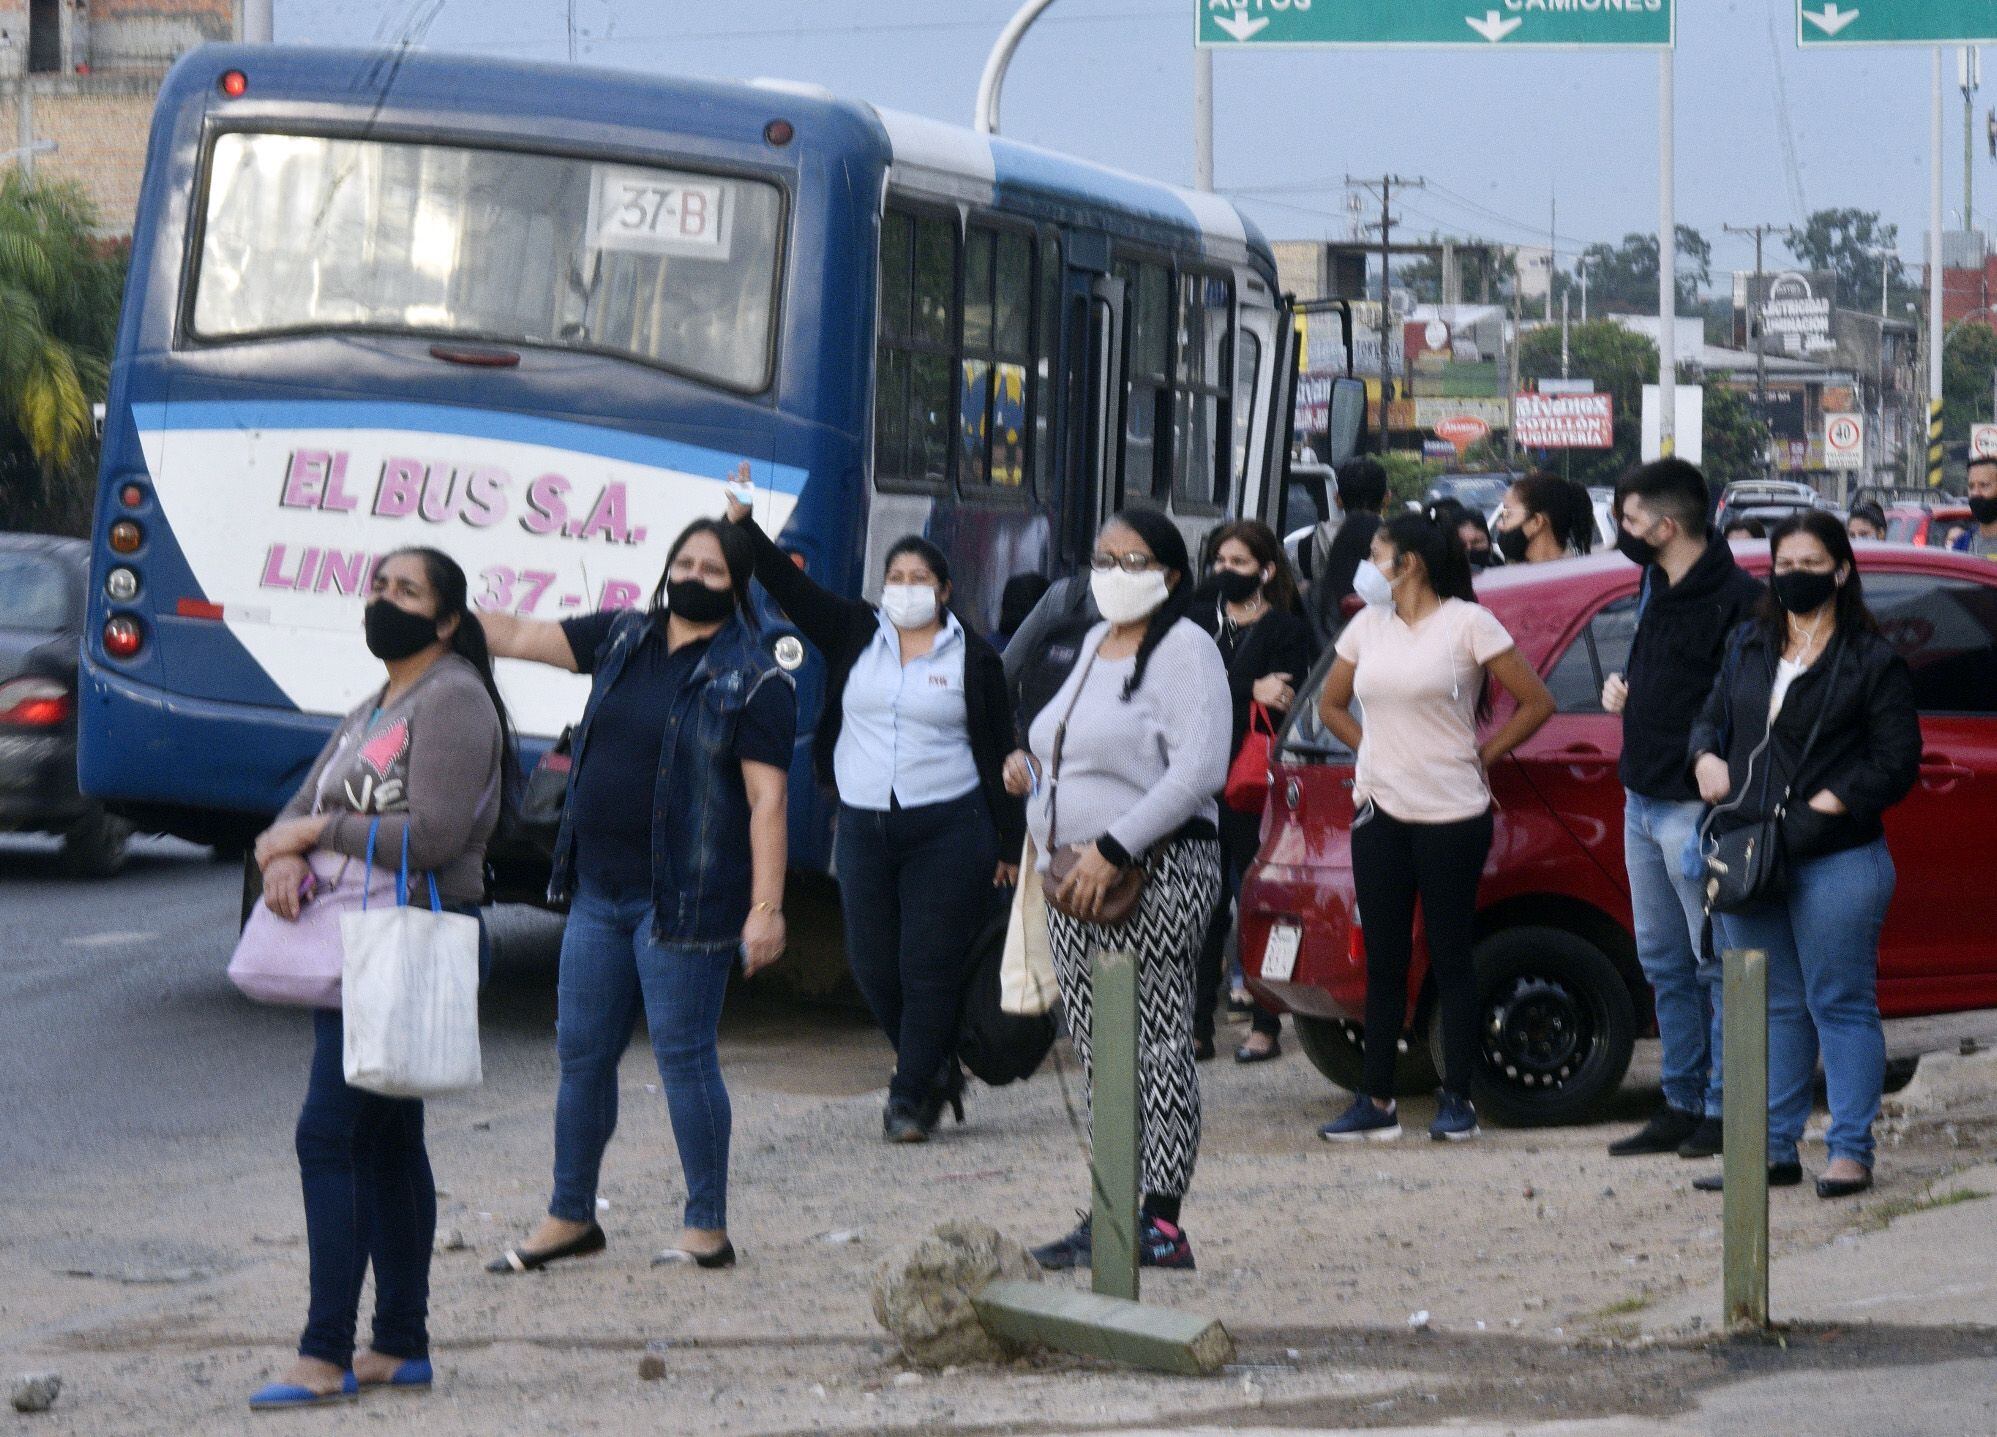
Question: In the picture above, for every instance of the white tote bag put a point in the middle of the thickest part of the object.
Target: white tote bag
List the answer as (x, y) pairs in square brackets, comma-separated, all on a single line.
[(409, 985), (1027, 987)]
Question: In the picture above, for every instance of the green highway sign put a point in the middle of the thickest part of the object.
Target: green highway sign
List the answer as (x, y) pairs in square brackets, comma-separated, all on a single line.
[(1895, 22), (1482, 24)]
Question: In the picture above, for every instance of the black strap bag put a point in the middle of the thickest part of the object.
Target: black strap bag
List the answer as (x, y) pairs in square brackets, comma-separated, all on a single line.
[(997, 1046)]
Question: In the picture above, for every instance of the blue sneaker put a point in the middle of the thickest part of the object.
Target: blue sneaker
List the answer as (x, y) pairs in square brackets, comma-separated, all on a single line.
[(1363, 1122), (1077, 1249), (1455, 1120)]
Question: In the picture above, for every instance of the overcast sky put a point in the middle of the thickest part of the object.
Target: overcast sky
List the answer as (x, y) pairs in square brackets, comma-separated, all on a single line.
[(1765, 132)]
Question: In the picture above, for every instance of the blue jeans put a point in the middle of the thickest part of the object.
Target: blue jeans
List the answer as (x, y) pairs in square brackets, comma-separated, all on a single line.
[(1669, 911), (1822, 941), (915, 885), (611, 971), (370, 1199)]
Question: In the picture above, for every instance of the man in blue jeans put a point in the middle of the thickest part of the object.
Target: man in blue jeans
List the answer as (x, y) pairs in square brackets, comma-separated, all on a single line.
[(1694, 596)]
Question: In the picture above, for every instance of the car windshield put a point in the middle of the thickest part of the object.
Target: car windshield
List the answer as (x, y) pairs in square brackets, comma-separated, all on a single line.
[(1304, 738), (34, 593), (670, 267)]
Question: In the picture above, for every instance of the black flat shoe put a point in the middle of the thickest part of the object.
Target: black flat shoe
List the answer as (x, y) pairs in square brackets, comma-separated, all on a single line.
[(1246, 1054), (947, 1093), (1203, 1050), (1842, 1187), (1780, 1175), (517, 1259), (723, 1256), (903, 1122)]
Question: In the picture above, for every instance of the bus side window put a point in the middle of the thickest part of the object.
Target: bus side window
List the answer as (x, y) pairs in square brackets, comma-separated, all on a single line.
[(1200, 401), (1046, 366), (1147, 406), (916, 352), (998, 350)]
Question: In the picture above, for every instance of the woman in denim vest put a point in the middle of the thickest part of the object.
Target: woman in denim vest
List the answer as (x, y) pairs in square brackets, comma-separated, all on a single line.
[(668, 881)]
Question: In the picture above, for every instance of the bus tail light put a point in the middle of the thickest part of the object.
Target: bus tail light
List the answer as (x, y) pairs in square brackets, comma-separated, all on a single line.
[(122, 636), (35, 703), (235, 84), (131, 496), (197, 609), (121, 585), (126, 536)]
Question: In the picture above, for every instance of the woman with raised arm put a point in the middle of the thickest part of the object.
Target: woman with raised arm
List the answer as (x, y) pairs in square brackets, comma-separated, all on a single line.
[(688, 713)]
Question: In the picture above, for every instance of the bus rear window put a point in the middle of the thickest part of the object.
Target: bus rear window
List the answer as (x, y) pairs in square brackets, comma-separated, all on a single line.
[(306, 234)]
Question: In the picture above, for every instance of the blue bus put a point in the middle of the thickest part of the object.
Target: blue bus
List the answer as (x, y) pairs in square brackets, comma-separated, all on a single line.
[(538, 315)]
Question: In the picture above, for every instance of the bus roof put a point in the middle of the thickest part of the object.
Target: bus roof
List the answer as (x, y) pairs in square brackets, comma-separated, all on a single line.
[(925, 155)]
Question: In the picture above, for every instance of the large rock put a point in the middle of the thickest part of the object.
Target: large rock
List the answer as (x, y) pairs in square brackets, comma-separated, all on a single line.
[(923, 1296), (36, 1391)]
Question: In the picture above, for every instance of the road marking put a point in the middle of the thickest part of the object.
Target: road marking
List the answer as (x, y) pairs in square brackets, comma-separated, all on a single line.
[(108, 940)]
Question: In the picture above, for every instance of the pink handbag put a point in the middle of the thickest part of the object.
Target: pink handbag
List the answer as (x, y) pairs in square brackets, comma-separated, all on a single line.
[(297, 964)]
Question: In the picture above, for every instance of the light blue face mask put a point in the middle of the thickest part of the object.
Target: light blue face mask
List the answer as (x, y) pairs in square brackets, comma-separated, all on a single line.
[(1372, 585)]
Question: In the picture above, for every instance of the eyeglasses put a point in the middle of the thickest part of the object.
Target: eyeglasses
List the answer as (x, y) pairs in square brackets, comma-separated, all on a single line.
[(1131, 563)]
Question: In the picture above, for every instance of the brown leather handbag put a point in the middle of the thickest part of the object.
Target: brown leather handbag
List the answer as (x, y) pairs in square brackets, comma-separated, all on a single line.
[(1121, 898)]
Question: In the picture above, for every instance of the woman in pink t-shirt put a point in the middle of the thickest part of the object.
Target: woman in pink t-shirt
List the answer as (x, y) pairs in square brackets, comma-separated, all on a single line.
[(1417, 659)]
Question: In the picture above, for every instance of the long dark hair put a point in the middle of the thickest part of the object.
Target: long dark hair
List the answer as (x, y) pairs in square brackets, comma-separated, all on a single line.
[(448, 583), (1567, 507), (1850, 614), (1267, 550), (736, 552), (1440, 549), (1168, 546)]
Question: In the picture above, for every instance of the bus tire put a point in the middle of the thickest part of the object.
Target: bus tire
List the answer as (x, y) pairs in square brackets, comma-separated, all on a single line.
[(96, 845)]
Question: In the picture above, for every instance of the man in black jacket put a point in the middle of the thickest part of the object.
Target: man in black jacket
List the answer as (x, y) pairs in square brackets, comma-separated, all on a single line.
[(1693, 597)]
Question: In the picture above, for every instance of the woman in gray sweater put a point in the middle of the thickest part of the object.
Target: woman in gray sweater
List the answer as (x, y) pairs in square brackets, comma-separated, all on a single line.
[(1123, 765)]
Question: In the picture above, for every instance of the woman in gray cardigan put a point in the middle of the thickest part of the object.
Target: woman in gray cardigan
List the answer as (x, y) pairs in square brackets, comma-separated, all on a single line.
[(1123, 765)]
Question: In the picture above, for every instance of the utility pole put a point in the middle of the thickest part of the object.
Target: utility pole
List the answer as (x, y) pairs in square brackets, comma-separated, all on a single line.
[(1552, 253), (1969, 70), (1757, 314), (1203, 120), (1582, 267), (1384, 187)]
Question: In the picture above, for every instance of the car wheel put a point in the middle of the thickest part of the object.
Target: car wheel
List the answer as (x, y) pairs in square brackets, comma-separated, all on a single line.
[(96, 846), (1555, 1026), (1900, 1072), (1335, 1048)]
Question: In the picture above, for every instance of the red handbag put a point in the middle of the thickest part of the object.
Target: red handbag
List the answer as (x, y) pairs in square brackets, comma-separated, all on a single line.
[(1248, 776)]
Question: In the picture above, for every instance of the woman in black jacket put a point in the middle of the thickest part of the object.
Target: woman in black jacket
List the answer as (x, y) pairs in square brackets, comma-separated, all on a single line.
[(913, 735), (1250, 605), (1813, 660)]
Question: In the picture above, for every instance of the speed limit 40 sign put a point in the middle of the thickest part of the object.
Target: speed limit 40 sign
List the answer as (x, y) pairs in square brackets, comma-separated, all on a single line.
[(1844, 441)]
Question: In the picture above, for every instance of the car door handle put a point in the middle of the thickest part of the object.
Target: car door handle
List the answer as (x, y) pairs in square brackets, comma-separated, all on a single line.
[(1940, 765)]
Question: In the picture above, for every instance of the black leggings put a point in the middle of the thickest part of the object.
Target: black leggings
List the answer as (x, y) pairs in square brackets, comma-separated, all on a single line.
[(1393, 863)]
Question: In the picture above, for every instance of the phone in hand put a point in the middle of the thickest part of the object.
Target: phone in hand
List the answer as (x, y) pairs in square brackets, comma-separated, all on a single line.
[(741, 490)]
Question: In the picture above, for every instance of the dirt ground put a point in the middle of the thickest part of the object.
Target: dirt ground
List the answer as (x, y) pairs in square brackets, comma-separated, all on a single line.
[(164, 1300)]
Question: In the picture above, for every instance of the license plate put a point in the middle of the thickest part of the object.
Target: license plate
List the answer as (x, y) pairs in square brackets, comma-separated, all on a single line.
[(1279, 958)]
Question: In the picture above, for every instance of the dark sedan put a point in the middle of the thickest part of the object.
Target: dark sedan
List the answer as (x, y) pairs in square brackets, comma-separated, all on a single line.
[(42, 586)]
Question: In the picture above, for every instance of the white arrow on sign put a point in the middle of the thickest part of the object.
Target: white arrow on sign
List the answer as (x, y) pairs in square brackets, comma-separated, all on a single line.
[(1240, 26), (1493, 27), (1831, 19)]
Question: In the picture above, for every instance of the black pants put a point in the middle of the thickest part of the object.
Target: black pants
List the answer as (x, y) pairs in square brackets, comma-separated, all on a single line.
[(1393, 864), (916, 887), (1240, 836)]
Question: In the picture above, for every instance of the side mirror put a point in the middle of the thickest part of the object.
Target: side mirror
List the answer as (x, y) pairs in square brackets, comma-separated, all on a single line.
[(1345, 429)]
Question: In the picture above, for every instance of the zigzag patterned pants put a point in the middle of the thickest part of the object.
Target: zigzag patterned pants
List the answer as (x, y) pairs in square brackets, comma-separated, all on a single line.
[(1165, 933)]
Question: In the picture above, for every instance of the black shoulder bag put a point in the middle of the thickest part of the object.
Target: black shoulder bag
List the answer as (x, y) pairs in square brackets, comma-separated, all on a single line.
[(1746, 866)]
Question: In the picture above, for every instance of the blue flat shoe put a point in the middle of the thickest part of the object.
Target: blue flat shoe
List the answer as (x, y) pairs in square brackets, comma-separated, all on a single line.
[(282, 1396), (415, 1374)]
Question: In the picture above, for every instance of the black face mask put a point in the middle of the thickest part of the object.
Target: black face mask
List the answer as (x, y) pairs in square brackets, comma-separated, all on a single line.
[(1237, 588), (1802, 592), (394, 633), (1983, 511), (1482, 558), (698, 604), (1638, 551), (1512, 544)]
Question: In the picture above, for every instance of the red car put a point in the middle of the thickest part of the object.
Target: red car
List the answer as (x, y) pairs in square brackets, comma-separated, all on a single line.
[(1929, 525), (1563, 998)]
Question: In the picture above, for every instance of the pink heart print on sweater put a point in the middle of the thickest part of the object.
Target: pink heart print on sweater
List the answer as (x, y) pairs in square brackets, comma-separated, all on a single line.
[(384, 748)]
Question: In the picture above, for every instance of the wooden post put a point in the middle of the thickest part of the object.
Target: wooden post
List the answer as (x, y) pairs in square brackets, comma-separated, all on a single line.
[(1745, 1117), (1083, 1323), (1117, 1125)]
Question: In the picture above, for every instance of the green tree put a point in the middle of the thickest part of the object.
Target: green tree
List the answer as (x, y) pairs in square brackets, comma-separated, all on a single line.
[(1968, 365), (1620, 363), (1622, 279), (59, 292), (1844, 243), (1736, 443)]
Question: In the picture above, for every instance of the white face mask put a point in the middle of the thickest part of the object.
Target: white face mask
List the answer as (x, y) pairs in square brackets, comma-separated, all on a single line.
[(1370, 584), (909, 606), (1125, 598)]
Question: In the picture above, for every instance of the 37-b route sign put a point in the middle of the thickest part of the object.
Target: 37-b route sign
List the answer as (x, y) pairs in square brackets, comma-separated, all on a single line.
[(1647, 24), (1844, 441)]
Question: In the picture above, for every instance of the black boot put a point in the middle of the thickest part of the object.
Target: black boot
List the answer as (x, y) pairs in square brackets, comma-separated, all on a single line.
[(946, 1091)]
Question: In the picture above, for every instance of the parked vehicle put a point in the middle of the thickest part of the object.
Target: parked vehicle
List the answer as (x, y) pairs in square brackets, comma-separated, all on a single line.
[(1931, 526), (1481, 492), (1563, 997), (42, 585), (1769, 500)]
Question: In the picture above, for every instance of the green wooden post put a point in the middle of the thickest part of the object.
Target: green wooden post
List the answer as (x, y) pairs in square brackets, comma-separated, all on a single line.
[(1117, 1125), (1745, 1116)]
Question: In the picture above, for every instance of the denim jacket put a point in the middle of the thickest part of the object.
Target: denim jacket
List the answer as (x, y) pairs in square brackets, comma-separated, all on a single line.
[(701, 871)]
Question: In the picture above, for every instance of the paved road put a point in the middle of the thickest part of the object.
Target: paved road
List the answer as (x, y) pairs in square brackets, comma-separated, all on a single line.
[(120, 1033)]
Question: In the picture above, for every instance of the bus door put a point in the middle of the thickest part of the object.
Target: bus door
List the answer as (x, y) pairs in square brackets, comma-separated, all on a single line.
[(1094, 310)]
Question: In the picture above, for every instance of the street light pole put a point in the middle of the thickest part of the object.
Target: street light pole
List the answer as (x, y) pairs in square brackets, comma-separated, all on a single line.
[(986, 120), (1203, 120), (1935, 279), (257, 22), (1667, 261)]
